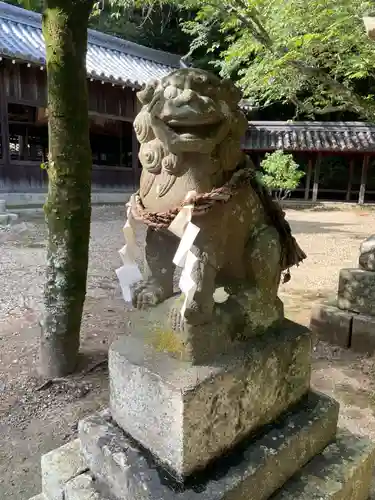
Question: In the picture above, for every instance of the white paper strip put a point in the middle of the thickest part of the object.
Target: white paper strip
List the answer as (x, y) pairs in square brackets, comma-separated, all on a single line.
[(189, 296), (186, 283), (130, 238), (186, 243), (178, 225), (128, 273), (182, 219)]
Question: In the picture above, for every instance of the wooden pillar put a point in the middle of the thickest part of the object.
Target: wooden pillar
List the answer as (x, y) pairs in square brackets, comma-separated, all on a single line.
[(135, 160), (4, 118), (308, 178), (316, 177), (362, 189), (350, 181)]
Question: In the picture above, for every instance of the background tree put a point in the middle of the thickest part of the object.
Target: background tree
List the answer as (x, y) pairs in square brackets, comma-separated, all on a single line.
[(313, 54), (280, 173), (68, 205), (158, 26)]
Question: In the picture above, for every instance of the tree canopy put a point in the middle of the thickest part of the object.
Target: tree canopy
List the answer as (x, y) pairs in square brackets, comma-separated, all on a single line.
[(313, 53)]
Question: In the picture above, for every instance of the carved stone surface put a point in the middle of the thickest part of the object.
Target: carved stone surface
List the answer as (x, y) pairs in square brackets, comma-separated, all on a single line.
[(253, 471), (59, 466), (331, 324), (343, 471), (186, 415), (367, 254), (82, 487), (190, 129), (363, 334), (357, 291)]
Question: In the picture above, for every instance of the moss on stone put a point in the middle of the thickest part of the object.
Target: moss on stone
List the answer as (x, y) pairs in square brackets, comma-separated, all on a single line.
[(167, 341)]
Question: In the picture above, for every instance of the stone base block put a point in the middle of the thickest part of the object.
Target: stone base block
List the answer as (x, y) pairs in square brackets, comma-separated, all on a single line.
[(357, 291), (60, 466), (343, 471), (254, 469), (331, 324), (40, 497), (363, 334), (344, 328), (83, 488), (187, 415), (367, 254), (7, 218)]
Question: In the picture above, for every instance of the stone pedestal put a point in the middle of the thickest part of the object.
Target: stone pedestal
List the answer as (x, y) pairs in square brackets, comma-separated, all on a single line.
[(246, 427), (350, 322), (357, 291), (6, 217), (187, 415)]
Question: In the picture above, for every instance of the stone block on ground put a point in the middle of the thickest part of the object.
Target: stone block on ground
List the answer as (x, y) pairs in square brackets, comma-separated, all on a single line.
[(59, 466), (357, 291), (7, 218), (367, 254), (343, 471), (38, 497), (363, 334), (254, 469), (83, 488), (187, 415), (331, 324)]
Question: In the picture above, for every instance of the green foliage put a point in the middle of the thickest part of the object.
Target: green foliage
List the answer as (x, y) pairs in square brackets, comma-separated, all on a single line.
[(35, 5), (154, 25), (315, 54), (280, 173)]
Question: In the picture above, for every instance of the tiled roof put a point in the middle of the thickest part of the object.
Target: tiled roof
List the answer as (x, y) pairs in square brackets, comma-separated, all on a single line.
[(310, 136), (108, 58)]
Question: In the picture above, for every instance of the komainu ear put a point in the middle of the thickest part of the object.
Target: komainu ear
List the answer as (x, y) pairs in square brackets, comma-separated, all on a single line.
[(147, 93), (230, 93)]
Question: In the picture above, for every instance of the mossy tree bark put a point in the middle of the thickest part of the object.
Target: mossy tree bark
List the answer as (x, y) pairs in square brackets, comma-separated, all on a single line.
[(68, 205)]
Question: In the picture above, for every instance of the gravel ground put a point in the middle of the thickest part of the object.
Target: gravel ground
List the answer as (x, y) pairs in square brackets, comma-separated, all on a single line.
[(34, 420)]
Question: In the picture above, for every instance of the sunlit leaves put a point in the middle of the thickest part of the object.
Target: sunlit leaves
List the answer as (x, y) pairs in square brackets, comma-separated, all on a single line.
[(265, 38)]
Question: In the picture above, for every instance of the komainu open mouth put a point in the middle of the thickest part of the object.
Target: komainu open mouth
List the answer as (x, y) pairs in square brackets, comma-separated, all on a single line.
[(194, 130)]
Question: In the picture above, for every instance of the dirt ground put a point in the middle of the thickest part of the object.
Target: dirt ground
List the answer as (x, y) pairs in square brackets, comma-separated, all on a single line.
[(35, 419)]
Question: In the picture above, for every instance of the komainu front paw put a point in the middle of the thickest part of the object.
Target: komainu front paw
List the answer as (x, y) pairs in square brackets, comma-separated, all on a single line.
[(193, 315), (148, 294), (176, 320)]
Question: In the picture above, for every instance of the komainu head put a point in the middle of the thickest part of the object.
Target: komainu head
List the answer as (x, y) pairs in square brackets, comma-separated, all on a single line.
[(190, 111)]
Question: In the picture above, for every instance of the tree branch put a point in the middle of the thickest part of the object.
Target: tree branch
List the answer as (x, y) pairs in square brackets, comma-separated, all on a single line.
[(251, 21)]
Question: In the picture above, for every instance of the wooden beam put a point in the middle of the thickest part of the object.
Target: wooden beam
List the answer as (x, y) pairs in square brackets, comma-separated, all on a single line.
[(308, 178), (316, 177), (350, 181), (362, 189), (4, 117), (115, 118)]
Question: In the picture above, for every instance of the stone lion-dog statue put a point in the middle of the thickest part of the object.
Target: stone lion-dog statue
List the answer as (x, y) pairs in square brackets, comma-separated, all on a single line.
[(190, 129)]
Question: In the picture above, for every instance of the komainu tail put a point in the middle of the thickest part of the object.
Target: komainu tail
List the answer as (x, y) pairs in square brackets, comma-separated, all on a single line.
[(292, 253)]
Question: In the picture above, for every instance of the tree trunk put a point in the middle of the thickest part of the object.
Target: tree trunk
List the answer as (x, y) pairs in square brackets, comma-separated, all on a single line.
[(68, 205)]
